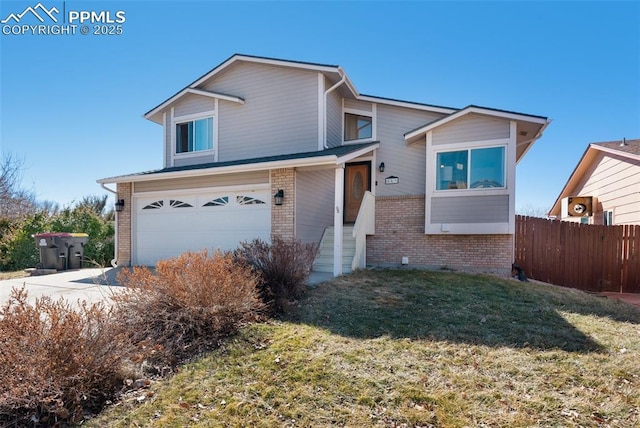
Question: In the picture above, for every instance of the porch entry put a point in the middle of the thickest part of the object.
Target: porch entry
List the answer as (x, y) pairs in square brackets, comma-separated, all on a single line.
[(357, 180)]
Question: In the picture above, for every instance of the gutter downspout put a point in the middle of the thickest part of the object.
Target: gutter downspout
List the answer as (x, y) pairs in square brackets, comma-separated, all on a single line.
[(324, 115), (114, 261)]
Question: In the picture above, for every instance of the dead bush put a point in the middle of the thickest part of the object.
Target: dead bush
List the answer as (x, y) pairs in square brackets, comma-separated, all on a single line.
[(284, 267), (57, 361), (186, 305)]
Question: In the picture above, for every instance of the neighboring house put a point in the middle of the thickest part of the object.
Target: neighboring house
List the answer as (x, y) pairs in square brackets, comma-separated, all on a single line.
[(606, 182), (259, 147)]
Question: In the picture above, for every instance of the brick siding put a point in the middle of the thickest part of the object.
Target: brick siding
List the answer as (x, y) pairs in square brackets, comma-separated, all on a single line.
[(123, 252), (400, 233), (283, 216)]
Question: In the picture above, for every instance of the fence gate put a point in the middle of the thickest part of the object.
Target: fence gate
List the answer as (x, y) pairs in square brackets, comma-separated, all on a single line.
[(588, 257)]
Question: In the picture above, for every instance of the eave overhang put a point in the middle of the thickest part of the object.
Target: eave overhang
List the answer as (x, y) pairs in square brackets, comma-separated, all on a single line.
[(418, 134)]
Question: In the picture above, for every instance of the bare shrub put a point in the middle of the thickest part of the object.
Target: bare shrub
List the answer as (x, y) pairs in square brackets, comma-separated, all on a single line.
[(57, 362), (186, 306), (284, 267)]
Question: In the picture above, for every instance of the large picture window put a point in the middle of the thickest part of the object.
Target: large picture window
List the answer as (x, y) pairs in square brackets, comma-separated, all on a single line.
[(194, 136), (471, 169)]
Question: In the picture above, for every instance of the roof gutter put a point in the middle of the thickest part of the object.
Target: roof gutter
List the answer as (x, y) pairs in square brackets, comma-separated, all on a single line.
[(324, 107)]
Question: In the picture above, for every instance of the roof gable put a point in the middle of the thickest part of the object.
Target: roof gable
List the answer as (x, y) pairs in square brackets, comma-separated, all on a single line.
[(624, 147), (530, 126), (629, 149), (418, 132), (335, 73), (332, 70)]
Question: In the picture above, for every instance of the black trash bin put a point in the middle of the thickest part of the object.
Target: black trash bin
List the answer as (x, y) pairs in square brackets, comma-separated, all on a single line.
[(76, 250), (54, 249)]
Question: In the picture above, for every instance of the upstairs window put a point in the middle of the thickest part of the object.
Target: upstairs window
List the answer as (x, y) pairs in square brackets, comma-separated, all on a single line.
[(194, 135), (357, 127), (471, 169)]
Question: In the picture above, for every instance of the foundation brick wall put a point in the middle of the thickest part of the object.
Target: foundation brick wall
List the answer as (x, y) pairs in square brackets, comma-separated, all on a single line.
[(400, 232), (283, 216), (123, 252)]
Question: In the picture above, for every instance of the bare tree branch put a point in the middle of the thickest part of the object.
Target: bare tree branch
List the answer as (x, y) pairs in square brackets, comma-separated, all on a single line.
[(15, 201)]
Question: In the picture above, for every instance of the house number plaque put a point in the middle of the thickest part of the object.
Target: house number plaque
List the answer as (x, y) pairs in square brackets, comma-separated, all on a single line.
[(391, 180)]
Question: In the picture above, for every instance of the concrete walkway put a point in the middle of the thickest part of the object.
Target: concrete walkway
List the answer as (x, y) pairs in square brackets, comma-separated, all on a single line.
[(631, 298), (92, 285), (318, 278)]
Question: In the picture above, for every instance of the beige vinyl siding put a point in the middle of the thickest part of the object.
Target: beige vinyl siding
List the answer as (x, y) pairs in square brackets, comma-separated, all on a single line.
[(358, 105), (402, 160), (280, 114), (334, 118), (194, 159), (472, 127), (470, 209), (314, 203), (235, 179), (628, 213), (194, 104), (615, 181)]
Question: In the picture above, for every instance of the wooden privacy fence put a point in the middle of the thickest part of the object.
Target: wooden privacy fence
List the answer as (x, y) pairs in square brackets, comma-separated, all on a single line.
[(587, 257)]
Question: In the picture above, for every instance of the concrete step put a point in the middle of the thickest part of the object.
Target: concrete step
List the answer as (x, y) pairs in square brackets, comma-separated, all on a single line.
[(324, 259), (345, 251), (328, 258), (328, 243), (329, 268)]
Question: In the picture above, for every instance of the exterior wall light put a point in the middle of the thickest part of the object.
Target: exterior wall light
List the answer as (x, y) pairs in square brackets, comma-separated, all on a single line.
[(120, 205), (381, 167), (278, 197)]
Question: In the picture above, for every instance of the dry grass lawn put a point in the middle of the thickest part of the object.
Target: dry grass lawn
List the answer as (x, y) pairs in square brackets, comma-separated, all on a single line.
[(410, 348), (12, 275)]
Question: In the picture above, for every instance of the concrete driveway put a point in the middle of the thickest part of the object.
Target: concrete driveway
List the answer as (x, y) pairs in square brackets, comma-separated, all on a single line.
[(92, 285)]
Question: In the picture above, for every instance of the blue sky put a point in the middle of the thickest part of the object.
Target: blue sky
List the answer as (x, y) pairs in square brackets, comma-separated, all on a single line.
[(72, 105)]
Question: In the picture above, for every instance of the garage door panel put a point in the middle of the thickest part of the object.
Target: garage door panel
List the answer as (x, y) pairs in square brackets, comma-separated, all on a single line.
[(173, 224)]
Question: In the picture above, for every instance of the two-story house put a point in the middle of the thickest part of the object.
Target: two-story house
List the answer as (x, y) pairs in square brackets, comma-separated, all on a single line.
[(259, 147)]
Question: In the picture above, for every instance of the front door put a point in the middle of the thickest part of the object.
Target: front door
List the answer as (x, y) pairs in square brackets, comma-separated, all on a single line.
[(357, 180)]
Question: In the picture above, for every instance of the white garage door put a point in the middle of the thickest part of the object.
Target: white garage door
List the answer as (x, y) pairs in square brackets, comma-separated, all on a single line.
[(168, 225)]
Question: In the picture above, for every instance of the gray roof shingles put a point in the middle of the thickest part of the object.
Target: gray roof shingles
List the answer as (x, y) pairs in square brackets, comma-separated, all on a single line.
[(334, 151), (631, 146)]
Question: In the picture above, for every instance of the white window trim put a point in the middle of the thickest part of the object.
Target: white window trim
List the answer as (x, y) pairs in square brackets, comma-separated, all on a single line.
[(175, 120), (469, 190), (373, 114), (604, 217), (510, 179)]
